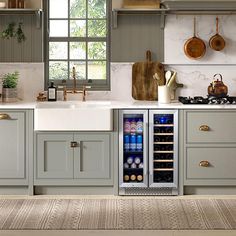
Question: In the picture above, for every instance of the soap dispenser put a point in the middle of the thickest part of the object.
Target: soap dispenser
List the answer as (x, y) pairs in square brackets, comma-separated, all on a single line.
[(52, 93)]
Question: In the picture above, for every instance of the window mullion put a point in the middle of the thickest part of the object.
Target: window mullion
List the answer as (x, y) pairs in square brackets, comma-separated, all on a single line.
[(86, 70), (68, 42)]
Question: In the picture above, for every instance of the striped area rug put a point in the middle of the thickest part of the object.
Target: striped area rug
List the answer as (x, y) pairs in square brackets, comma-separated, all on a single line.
[(117, 214)]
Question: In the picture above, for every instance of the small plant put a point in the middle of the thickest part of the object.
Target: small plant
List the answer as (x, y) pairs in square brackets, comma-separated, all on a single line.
[(10, 80), (11, 32), (20, 34)]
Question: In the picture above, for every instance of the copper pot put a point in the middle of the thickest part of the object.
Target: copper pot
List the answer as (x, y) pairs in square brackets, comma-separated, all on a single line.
[(194, 48), (217, 87)]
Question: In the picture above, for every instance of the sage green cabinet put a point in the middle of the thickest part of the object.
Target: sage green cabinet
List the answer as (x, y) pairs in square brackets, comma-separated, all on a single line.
[(16, 132), (209, 148), (92, 156), (54, 156), (65, 158)]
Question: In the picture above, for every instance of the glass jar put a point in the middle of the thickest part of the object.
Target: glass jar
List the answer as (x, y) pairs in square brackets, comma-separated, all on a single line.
[(12, 3), (21, 4)]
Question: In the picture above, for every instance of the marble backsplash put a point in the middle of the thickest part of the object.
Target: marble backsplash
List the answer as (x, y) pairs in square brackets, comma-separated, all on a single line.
[(195, 75)]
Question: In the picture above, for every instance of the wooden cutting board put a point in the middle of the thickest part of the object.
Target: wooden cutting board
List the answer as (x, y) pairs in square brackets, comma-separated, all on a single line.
[(144, 86), (139, 4)]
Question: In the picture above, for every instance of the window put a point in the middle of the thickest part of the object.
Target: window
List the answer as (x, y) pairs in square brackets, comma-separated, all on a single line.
[(78, 36)]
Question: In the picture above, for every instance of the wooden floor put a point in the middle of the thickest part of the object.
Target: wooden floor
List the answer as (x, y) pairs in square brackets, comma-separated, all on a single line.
[(118, 233)]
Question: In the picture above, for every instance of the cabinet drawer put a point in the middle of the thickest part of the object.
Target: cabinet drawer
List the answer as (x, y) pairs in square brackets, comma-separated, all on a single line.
[(220, 125), (222, 163)]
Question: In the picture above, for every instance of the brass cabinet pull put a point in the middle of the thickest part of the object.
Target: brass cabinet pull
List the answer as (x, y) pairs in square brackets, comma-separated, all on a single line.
[(204, 128), (4, 116), (204, 163), (74, 144)]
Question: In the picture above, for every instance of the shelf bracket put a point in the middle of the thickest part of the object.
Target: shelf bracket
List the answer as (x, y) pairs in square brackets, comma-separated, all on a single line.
[(38, 16), (114, 19), (163, 20)]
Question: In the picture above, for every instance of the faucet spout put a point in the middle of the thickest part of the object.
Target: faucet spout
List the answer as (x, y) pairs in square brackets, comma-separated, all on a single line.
[(84, 92), (74, 79)]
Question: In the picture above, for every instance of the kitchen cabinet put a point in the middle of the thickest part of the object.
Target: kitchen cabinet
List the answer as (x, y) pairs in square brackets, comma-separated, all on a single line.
[(209, 148), (16, 131), (73, 158)]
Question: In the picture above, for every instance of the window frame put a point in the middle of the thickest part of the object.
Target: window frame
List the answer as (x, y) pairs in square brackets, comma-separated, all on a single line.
[(96, 85)]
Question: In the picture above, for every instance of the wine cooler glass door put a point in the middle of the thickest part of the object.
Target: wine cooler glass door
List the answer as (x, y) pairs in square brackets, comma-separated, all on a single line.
[(133, 148), (163, 149)]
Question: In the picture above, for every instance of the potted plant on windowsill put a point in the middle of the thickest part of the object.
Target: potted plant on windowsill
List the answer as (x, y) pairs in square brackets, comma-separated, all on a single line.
[(9, 84)]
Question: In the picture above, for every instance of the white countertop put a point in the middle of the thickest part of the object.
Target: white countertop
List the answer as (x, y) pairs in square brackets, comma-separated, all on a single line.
[(111, 105)]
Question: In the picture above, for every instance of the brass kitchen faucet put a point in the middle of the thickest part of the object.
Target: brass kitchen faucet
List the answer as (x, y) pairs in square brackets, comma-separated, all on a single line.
[(74, 90)]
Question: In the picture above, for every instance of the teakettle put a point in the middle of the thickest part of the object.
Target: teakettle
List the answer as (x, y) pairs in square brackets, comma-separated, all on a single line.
[(217, 87)]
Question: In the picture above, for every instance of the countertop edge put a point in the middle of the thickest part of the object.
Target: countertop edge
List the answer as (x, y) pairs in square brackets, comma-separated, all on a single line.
[(113, 105)]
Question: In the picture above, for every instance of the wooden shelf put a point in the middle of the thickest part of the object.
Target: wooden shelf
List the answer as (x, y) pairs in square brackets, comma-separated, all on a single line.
[(164, 125), (163, 160), (162, 143), (24, 11), (162, 134), (180, 8), (163, 152), (125, 11), (164, 169)]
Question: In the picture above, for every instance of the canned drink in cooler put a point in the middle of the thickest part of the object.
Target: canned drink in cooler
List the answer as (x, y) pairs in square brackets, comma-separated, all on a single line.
[(139, 126), (133, 166), (139, 178), (126, 178), (133, 126), (127, 125), (139, 142), (133, 177), (137, 160), (133, 142), (130, 160), (126, 165), (126, 142), (140, 165)]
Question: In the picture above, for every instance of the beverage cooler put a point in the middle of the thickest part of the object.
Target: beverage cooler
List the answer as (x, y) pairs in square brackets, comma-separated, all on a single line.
[(148, 152)]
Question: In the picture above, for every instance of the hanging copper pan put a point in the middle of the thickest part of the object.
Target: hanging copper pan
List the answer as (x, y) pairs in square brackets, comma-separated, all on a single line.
[(194, 48), (217, 42)]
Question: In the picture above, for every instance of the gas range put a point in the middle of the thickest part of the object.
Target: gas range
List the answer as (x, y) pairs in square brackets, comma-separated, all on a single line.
[(208, 100)]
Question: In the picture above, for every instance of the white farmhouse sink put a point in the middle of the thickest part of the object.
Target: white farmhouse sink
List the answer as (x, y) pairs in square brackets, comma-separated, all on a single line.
[(73, 116)]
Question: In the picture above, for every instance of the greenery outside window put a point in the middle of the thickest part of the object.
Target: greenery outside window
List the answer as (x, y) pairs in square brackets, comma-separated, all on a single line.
[(78, 36)]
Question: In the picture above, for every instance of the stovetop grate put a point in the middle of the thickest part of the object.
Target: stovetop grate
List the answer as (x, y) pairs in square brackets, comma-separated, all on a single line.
[(208, 100)]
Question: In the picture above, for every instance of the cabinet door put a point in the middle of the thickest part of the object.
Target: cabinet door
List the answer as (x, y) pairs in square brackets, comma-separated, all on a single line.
[(12, 145), (54, 155), (92, 156)]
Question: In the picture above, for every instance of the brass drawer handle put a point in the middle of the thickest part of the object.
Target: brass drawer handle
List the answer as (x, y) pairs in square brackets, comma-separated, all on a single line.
[(204, 163), (204, 128), (4, 116), (74, 144)]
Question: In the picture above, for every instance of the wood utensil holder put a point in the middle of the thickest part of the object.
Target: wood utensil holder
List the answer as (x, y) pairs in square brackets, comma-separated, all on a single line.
[(139, 4)]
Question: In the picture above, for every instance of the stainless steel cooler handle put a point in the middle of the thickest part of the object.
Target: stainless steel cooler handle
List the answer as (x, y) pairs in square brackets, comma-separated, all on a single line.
[(146, 151)]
